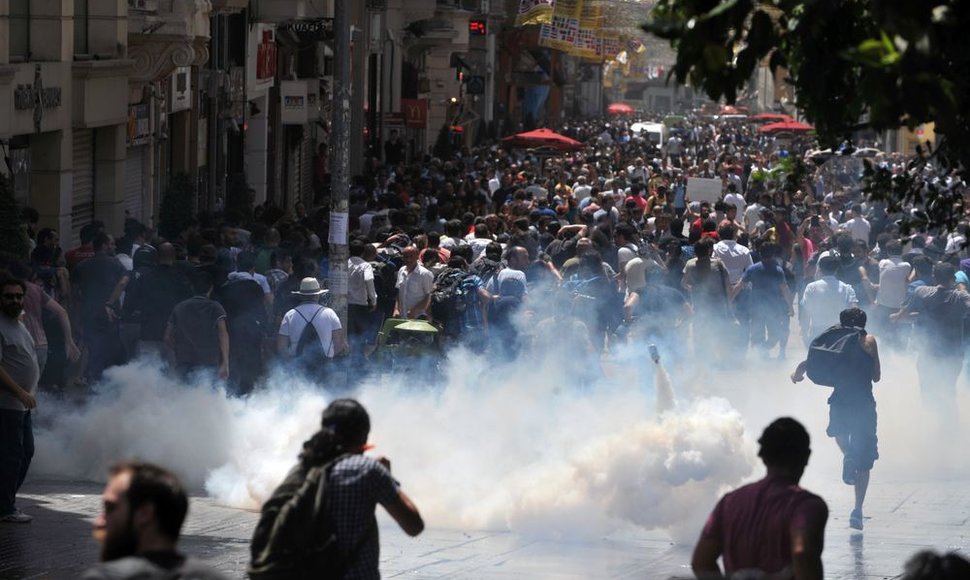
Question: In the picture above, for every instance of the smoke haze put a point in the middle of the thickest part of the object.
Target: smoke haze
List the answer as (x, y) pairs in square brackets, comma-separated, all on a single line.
[(517, 447)]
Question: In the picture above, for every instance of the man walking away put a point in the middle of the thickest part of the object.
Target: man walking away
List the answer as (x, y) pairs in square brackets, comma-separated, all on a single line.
[(144, 507), (197, 331), (18, 384), (852, 408), (332, 465), (771, 528), (824, 299), (311, 332), (246, 319), (361, 300)]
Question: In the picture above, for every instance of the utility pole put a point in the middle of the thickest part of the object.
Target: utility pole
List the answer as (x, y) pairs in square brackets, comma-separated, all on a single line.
[(340, 168)]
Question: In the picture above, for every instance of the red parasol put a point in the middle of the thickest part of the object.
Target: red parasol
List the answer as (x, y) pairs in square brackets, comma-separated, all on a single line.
[(771, 118), (542, 138), (787, 126), (619, 109)]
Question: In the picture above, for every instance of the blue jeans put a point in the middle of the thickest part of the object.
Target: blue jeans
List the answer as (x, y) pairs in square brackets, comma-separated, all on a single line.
[(16, 451)]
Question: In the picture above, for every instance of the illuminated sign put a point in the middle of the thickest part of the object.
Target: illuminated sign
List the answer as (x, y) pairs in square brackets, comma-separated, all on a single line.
[(477, 27)]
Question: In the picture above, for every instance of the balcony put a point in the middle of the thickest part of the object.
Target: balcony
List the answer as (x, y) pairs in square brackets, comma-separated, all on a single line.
[(166, 35)]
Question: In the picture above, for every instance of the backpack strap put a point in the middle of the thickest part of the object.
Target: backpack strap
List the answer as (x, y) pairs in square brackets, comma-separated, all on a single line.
[(309, 322)]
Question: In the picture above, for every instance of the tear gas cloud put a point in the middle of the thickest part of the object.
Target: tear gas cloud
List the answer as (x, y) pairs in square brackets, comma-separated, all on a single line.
[(518, 446)]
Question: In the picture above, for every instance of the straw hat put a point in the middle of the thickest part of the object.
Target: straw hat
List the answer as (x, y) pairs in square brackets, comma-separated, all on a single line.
[(310, 287)]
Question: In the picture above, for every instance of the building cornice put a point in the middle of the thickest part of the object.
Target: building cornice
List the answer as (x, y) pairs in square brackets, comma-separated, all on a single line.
[(155, 57)]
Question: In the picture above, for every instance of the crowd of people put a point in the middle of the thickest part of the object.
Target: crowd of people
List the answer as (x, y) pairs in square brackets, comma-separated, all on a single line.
[(508, 253)]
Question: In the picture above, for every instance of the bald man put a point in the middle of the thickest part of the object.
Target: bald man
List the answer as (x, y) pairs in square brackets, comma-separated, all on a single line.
[(414, 286)]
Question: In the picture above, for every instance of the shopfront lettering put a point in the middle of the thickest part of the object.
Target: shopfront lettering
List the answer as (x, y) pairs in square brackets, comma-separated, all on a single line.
[(25, 97)]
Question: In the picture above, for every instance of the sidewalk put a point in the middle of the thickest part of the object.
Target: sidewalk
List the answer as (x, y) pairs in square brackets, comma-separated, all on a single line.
[(902, 518)]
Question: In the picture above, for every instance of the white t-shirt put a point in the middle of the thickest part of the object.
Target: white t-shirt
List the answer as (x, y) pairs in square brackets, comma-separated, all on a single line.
[(413, 287), (325, 322), (858, 228)]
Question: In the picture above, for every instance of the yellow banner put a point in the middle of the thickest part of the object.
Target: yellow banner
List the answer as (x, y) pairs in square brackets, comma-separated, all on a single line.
[(534, 12)]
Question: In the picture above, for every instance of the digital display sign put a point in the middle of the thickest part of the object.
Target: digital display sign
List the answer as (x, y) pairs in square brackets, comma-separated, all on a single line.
[(477, 27)]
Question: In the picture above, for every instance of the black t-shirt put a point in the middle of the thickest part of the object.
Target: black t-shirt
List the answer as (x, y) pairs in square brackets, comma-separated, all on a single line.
[(152, 296), (97, 278), (196, 331)]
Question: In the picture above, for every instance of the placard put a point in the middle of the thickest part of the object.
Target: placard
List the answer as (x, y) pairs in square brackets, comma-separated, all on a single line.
[(703, 189)]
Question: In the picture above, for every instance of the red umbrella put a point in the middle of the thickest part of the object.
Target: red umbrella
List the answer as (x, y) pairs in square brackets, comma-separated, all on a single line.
[(542, 138), (771, 118), (787, 126), (619, 109)]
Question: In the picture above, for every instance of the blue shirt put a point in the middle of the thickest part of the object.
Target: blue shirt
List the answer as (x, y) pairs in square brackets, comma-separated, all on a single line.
[(765, 281)]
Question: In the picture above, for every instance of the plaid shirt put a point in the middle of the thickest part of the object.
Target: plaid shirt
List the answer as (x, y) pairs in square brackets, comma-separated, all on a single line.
[(356, 485)]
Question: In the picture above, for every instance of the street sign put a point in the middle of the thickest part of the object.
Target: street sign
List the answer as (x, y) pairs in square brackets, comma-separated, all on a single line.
[(316, 28)]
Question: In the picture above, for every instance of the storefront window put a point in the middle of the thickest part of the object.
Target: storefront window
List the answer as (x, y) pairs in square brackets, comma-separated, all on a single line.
[(19, 30)]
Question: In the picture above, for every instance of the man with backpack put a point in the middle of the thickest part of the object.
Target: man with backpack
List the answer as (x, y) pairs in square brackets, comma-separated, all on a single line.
[(847, 358), (319, 523), (311, 332)]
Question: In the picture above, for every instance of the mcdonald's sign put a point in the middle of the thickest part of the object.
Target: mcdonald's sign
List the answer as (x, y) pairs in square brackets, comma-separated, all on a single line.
[(415, 113)]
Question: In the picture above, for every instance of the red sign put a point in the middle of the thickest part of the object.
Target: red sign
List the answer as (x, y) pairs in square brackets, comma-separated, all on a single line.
[(266, 57), (477, 27), (415, 113)]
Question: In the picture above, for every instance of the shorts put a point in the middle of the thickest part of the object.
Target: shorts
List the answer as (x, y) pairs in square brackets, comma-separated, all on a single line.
[(857, 419)]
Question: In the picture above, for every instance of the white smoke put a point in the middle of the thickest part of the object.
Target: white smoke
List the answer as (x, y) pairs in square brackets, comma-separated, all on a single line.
[(517, 447)]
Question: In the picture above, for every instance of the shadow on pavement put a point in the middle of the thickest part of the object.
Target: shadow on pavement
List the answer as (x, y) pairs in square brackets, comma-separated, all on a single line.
[(57, 544)]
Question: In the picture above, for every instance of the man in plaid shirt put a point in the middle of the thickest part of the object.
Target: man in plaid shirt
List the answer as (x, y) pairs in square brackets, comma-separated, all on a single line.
[(356, 485)]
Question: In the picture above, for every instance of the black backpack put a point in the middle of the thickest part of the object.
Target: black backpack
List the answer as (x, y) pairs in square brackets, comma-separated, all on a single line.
[(309, 343), (296, 538), (830, 355), (386, 267), (448, 299)]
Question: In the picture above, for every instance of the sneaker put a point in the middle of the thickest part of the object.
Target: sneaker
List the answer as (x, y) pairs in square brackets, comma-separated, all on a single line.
[(848, 471), (855, 519), (16, 517)]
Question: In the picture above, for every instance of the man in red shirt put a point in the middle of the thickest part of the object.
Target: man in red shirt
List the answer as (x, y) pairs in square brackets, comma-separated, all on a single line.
[(770, 528)]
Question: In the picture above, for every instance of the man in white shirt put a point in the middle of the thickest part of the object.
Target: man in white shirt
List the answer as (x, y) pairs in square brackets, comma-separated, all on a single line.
[(494, 183), (736, 199), (858, 227), (735, 257), (414, 286), (310, 311), (824, 299), (581, 189), (638, 170), (361, 296), (893, 282)]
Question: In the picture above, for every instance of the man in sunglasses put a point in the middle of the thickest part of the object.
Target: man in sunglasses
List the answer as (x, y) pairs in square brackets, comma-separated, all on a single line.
[(18, 384)]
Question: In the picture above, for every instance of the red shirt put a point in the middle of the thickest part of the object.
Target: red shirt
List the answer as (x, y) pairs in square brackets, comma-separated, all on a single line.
[(753, 523), (78, 255)]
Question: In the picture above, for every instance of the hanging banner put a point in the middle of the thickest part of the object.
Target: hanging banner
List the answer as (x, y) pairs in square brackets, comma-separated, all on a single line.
[(561, 33), (415, 113), (534, 12)]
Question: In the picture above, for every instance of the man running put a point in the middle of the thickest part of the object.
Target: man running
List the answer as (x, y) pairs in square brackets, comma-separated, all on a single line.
[(852, 409)]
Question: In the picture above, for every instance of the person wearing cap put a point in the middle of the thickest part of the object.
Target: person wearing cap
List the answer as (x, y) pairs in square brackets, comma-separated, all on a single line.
[(771, 528), (310, 311)]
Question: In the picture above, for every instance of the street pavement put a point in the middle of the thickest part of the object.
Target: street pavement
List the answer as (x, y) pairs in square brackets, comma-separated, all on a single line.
[(902, 518)]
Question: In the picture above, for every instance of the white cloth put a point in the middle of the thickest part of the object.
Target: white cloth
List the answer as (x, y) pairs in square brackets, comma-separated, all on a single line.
[(360, 282), (893, 281), (737, 200), (858, 228), (325, 322), (752, 215), (735, 257), (478, 247), (823, 300), (581, 192), (413, 288)]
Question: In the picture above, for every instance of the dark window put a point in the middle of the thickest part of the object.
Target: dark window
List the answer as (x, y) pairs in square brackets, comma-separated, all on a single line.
[(19, 30)]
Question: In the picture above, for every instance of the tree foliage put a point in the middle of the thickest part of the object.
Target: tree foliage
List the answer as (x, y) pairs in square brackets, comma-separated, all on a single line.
[(851, 63)]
